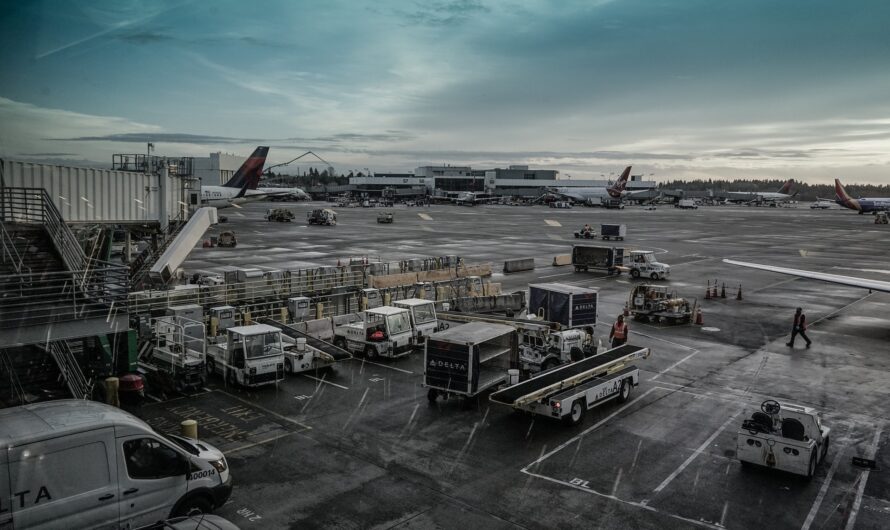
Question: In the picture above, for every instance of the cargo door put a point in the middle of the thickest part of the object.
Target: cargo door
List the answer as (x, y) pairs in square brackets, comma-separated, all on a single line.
[(65, 482), (447, 366), (583, 309), (560, 309), (537, 298)]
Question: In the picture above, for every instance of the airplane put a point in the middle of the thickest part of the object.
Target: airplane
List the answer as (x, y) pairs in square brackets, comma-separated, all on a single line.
[(862, 204), (851, 281), (471, 198), (596, 196), (237, 190), (252, 178), (761, 197)]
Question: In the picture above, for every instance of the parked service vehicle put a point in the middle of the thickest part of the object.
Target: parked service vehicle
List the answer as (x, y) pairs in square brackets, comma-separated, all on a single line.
[(382, 332), (541, 350), (658, 303), (227, 239), (81, 464), (281, 215), (586, 232), (783, 436), (592, 257), (423, 317), (881, 218), (385, 217), (175, 362), (608, 231), (561, 204), (251, 356), (643, 264), (687, 204), (322, 216)]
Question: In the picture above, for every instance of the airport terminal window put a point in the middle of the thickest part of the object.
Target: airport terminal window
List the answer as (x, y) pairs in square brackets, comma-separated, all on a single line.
[(148, 458)]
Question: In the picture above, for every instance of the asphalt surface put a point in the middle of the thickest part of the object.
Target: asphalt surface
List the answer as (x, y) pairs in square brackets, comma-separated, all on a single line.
[(360, 446)]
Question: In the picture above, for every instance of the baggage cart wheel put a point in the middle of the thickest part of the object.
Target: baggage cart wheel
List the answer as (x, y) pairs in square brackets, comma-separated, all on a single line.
[(635, 273), (624, 391), (811, 469), (210, 366), (370, 352), (576, 414), (654, 276)]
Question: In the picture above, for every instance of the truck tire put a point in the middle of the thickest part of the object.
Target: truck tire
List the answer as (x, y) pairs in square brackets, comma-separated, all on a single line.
[(370, 352), (635, 273), (340, 342), (624, 391), (576, 414), (811, 469), (288, 366), (194, 505), (210, 366), (655, 276)]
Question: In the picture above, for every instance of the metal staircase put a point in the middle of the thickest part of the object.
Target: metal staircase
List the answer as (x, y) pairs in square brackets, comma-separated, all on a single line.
[(77, 382)]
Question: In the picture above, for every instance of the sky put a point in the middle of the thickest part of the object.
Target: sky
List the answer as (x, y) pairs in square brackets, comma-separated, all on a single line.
[(676, 88)]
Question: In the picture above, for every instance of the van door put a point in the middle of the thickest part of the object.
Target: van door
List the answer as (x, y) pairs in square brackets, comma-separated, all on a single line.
[(152, 478), (64, 482)]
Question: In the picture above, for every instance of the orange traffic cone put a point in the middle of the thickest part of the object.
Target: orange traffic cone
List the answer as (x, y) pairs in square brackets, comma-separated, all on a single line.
[(723, 291), (699, 319), (739, 295), (714, 291), (708, 291)]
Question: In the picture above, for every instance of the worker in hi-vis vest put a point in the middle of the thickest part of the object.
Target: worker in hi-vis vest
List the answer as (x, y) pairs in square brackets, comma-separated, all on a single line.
[(799, 328), (619, 332)]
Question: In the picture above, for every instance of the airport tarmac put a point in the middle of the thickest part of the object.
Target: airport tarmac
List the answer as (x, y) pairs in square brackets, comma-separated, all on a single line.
[(361, 447)]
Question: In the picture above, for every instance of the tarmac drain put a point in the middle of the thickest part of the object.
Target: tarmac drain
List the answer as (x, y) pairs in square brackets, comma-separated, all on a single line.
[(710, 329)]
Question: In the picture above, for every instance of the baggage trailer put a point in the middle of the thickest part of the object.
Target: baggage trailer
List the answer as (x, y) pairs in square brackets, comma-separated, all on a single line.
[(570, 306), (303, 352), (592, 257), (609, 232), (468, 359), (568, 391)]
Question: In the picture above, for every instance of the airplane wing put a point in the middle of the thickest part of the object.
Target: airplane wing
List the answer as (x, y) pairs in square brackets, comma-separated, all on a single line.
[(851, 281)]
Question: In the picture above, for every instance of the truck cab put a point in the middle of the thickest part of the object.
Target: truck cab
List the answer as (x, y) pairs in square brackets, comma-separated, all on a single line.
[(250, 356), (783, 436), (382, 332), (322, 216), (423, 317), (642, 263), (542, 351)]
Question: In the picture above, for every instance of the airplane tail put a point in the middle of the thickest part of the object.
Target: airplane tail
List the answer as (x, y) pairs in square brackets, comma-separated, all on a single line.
[(786, 188), (250, 171), (842, 198), (618, 188)]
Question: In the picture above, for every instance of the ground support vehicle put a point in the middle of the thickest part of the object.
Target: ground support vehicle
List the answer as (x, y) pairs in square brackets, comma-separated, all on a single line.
[(570, 306), (423, 317), (591, 257), (585, 234), (613, 204), (76, 463), (881, 218), (385, 217), (303, 352), (657, 303), (382, 332), (687, 204), (322, 216), (609, 232), (227, 239), (540, 345), (785, 437), (820, 205), (469, 359), (281, 215), (642, 264), (174, 360), (568, 391), (561, 204), (250, 356)]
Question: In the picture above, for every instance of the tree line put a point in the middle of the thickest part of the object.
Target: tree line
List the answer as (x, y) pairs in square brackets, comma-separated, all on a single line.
[(805, 191)]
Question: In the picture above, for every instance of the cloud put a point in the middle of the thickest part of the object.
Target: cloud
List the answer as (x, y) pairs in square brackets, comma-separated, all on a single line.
[(444, 13), (143, 37)]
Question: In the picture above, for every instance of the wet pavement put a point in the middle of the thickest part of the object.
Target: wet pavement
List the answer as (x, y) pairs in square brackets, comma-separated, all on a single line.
[(359, 446)]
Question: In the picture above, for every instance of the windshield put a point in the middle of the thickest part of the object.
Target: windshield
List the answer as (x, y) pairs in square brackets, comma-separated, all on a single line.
[(262, 345), (398, 323), (424, 314)]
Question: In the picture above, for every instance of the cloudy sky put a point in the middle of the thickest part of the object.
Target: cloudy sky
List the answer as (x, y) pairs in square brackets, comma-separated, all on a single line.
[(678, 88)]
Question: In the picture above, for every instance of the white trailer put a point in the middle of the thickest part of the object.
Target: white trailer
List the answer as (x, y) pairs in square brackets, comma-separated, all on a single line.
[(251, 356), (382, 332), (783, 436), (568, 391)]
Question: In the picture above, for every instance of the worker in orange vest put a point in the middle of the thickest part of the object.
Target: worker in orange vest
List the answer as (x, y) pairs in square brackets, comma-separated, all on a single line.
[(619, 332), (799, 328)]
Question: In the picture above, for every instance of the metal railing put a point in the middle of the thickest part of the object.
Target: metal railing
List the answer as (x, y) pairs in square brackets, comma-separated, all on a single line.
[(78, 384), (9, 252), (15, 386), (99, 292)]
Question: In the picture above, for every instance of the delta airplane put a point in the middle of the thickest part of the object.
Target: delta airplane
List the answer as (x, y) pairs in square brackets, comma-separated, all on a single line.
[(237, 190), (862, 204), (756, 197), (598, 195)]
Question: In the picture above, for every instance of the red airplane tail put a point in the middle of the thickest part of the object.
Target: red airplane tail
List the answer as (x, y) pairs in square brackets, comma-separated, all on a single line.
[(250, 171), (618, 188), (786, 188)]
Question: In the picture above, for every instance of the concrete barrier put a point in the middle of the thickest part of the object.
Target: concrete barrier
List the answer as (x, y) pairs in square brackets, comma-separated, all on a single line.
[(562, 259), (519, 264)]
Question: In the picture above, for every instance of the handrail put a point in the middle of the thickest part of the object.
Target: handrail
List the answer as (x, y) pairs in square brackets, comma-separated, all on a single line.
[(9, 250), (14, 384), (78, 384)]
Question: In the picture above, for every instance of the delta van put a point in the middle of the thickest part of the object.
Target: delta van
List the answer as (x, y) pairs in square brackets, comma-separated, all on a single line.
[(82, 464)]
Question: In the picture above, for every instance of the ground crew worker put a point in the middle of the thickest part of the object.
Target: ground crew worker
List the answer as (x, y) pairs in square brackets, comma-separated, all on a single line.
[(586, 231), (799, 328), (619, 332)]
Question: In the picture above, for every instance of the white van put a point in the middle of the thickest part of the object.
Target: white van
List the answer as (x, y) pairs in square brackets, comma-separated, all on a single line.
[(81, 464)]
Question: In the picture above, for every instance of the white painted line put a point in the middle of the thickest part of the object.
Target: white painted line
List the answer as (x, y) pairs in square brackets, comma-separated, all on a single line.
[(695, 454), (593, 427), (325, 382), (555, 275), (676, 364), (264, 409), (551, 222), (425, 217), (823, 490), (841, 309), (363, 361), (863, 479), (248, 446)]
